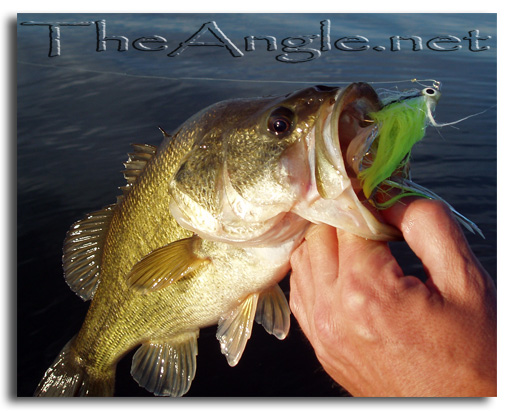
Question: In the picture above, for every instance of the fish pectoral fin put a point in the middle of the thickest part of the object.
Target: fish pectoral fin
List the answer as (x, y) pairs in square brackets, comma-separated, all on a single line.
[(167, 368), (235, 328), (165, 265), (273, 312), (83, 249)]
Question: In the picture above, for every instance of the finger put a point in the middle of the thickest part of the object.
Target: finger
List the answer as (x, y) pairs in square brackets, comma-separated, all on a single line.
[(435, 237), (366, 258), (322, 243), (314, 265), (301, 298)]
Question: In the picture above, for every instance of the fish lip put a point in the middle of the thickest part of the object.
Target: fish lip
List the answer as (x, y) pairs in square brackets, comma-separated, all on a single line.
[(328, 168), (326, 131), (335, 117), (331, 140), (339, 100), (332, 121)]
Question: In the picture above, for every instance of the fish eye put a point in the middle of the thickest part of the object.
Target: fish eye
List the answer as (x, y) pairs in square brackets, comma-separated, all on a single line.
[(280, 121), (429, 91)]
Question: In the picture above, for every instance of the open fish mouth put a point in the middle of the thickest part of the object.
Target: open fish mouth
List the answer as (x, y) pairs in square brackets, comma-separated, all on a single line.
[(369, 139), (334, 193), (343, 135)]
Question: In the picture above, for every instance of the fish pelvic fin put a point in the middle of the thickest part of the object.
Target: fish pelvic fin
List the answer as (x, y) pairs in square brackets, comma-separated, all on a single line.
[(269, 308), (273, 312), (235, 329), (66, 377), (82, 251), (167, 264), (167, 368)]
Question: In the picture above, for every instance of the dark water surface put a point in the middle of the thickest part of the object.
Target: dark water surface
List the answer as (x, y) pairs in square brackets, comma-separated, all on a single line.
[(79, 111)]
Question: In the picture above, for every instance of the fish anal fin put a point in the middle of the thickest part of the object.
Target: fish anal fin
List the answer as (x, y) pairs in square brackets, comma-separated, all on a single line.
[(82, 251), (235, 328), (165, 265), (167, 368), (273, 312)]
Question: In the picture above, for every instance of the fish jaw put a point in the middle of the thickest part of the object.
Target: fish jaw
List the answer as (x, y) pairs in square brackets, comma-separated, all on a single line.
[(333, 194)]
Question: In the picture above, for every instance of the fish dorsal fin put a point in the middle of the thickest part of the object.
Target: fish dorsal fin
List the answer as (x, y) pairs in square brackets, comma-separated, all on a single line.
[(82, 251), (167, 264), (273, 312), (136, 163), (166, 368), (235, 328)]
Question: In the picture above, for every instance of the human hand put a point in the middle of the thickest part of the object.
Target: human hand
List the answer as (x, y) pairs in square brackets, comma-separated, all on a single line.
[(378, 332)]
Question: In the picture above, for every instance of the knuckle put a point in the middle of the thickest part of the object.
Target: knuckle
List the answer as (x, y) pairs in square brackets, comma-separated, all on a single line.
[(363, 309), (324, 324)]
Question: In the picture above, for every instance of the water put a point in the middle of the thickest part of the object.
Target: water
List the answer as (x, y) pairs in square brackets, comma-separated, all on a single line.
[(79, 111)]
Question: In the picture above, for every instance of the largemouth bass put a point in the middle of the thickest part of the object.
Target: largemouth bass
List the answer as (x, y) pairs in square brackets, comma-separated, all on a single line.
[(207, 222)]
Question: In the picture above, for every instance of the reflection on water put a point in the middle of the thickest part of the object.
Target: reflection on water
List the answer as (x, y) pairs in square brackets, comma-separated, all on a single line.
[(78, 113)]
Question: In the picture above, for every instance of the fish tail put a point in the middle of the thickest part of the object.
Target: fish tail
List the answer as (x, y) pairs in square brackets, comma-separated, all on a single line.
[(66, 377)]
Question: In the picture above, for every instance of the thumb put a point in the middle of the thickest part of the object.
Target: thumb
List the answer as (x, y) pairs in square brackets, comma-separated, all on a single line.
[(436, 238)]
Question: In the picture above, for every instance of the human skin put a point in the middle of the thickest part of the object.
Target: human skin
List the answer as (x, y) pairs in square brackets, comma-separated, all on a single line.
[(381, 333)]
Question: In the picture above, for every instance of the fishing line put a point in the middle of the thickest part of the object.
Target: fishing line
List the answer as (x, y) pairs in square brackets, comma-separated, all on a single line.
[(212, 78), (385, 93)]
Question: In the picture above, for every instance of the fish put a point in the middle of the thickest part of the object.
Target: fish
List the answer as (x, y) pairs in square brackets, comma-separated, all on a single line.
[(203, 230)]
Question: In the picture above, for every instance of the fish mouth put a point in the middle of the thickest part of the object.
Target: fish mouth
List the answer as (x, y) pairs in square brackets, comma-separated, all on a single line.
[(343, 138), (334, 195), (366, 124), (356, 131)]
